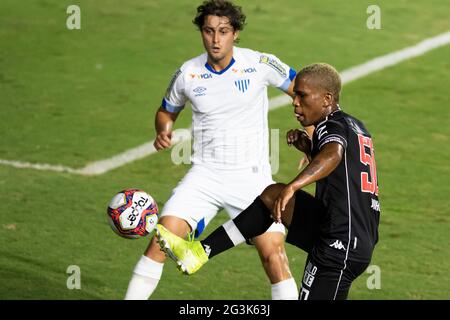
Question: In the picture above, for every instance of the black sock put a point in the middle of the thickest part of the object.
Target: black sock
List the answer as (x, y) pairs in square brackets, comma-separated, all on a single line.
[(255, 220), (217, 242), (251, 222)]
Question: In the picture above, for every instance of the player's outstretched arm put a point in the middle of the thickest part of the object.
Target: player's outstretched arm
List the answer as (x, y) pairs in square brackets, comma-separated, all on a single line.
[(164, 121), (320, 167)]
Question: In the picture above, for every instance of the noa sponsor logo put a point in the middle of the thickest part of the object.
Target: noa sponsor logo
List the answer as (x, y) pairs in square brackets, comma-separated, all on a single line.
[(206, 76), (245, 70), (203, 76), (249, 70)]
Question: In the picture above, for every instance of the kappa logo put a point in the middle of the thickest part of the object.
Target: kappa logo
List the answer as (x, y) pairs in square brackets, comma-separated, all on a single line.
[(207, 249), (338, 245), (242, 85), (375, 205)]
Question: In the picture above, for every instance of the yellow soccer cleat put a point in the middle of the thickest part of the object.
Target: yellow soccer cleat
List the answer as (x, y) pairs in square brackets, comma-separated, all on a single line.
[(189, 255)]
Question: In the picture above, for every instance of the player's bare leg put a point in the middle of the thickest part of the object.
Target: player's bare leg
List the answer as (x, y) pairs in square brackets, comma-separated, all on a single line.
[(271, 250), (270, 246), (272, 253), (175, 225), (148, 270), (253, 221)]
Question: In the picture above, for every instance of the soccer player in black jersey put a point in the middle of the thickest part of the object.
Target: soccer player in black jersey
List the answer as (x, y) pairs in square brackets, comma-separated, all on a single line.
[(338, 227)]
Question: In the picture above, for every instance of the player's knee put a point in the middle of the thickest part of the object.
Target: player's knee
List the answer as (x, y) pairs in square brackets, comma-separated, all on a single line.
[(270, 194), (273, 253), (176, 225), (275, 262)]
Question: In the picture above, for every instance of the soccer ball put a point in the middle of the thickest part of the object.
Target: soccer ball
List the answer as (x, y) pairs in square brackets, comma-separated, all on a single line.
[(132, 213)]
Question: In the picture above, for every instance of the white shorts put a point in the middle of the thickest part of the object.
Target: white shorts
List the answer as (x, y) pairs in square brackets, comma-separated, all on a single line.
[(204, 191)]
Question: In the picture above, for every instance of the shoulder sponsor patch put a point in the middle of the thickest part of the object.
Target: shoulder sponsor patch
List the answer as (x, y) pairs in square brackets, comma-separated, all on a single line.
[(275, 64)]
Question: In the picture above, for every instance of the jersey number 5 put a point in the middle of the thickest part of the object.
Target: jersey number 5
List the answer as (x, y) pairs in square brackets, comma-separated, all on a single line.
[(367, 157)]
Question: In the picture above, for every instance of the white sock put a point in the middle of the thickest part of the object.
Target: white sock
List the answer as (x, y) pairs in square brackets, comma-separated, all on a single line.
[(144, 280), (285, 290)]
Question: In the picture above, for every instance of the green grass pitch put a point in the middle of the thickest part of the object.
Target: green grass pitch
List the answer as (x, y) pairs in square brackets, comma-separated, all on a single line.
[(70, 97)]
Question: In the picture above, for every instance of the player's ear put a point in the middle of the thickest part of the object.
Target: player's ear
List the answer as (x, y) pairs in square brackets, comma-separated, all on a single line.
[(328, 99), (236, 35)]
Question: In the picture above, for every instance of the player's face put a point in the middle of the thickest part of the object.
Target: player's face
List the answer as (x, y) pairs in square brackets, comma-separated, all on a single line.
[(218, 38), (311, 103)]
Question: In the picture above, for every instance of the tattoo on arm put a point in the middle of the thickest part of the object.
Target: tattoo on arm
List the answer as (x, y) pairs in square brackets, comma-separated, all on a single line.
[(320, 166)]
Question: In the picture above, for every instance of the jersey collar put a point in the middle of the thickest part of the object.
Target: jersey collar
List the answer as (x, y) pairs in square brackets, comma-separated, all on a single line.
[(335, 113), (207, 66)]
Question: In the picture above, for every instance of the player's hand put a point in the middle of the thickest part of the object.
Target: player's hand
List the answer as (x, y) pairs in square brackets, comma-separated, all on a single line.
[(280, 203), (163, 140), (299, 139)]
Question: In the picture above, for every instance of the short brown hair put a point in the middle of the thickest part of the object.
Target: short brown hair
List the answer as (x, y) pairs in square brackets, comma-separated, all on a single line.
[(325, 76), (220, 8)]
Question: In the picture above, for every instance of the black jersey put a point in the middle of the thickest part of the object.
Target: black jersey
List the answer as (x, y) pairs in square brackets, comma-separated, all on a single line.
[(349, 228)]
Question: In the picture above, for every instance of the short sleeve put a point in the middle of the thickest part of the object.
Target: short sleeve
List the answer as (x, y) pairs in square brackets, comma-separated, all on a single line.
[(278, 74), (175, 98), (331, 131)]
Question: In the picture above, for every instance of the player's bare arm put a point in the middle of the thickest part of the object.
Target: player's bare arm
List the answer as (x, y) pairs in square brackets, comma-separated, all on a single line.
[(164, 121), (320, 167)]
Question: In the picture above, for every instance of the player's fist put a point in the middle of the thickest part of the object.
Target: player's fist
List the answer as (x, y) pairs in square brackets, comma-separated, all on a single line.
[(163, 140), (281, 202), (299, 139)]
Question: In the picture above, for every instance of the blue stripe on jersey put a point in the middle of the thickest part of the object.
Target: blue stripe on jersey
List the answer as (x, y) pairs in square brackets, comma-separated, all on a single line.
[(292, 74), (171, 108), (207, 66)]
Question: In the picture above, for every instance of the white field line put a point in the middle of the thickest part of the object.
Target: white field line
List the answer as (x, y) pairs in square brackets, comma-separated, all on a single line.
[(144, 150)]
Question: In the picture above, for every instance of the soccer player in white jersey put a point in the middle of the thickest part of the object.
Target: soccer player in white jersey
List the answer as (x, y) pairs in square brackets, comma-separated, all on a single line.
[(227, 88)]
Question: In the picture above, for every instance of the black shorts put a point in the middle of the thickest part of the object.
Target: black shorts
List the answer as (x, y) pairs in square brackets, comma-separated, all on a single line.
[(303, 231), (330, 281), (325, 277)]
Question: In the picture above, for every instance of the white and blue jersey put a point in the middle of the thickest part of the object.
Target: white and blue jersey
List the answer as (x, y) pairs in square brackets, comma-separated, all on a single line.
[(230, 107)]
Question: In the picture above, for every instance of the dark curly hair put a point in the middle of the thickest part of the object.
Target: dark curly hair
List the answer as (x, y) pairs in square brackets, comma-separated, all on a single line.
[(220, 8)]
